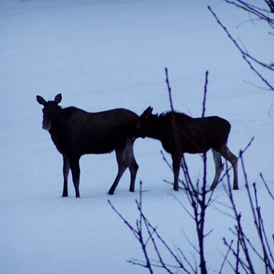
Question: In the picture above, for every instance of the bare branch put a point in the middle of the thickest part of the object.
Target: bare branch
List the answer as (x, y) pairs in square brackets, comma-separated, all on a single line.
[(246, 56), (205, 93), (169, 90), (226, 257), (267, 187)]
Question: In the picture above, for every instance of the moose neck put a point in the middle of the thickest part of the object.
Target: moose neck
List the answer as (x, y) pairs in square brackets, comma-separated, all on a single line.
[(57, 122), (156, 127)]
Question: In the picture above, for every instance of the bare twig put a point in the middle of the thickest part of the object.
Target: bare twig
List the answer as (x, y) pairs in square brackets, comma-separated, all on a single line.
[(267, 187), (246, 56), (243, 242), (205, 93), (260, 13), (169, 90), (226, 257), (137, 232)]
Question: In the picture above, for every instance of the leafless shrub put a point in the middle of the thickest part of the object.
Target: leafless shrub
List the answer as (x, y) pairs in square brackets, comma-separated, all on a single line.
[(200, 198), (245, 249)]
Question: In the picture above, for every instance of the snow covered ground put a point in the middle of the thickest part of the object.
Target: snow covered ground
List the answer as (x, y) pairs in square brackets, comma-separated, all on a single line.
[(103, 54)]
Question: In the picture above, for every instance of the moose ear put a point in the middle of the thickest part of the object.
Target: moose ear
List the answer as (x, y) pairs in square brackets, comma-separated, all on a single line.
[(147, 112), (41, 100), (58, 98)]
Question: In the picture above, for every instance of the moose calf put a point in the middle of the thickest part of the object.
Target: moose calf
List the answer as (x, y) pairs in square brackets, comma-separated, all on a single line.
[(180, 133)]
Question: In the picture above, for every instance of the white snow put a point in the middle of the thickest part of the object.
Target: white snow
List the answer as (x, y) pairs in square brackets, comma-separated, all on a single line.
[(107, 54)]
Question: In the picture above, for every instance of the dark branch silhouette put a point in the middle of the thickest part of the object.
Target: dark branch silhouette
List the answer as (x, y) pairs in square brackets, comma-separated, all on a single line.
[(246, 56)]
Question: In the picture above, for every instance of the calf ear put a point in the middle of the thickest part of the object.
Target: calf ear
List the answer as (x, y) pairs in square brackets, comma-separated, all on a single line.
[(58, 98), (147, 112), (41, 100)]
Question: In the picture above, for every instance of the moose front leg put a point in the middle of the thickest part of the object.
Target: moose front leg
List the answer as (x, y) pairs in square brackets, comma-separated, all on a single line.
[(66, 168), (75, 170)]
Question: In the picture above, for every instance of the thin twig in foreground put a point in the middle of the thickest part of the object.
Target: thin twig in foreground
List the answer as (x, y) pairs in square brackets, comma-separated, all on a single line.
[(245, 55)]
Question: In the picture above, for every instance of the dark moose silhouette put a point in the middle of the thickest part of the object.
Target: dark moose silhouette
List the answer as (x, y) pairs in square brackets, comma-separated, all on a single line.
[(180, 133), (76, 132)]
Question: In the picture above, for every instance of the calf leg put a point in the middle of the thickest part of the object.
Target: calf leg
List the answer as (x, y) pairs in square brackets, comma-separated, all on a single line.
[(122, 166), (229, 156), (75, 170), (133, 166), (176, 163), (66, 168), (218, 167)]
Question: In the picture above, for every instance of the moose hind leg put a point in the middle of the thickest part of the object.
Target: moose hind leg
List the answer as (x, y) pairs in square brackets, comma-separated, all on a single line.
[(133, 167), (66, 169), (75, 170), (229, 156), (218, 167), (122, 166), (176, 162)]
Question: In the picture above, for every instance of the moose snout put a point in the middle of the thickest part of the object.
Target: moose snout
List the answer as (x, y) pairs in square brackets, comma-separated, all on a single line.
[(46, 125)]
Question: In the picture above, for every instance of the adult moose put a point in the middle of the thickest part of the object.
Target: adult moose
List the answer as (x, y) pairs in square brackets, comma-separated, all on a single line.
[(76, 132), (180, 133)]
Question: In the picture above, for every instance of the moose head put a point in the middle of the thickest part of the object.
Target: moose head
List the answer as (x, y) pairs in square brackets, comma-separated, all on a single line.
[(142, 126), (50, 110)]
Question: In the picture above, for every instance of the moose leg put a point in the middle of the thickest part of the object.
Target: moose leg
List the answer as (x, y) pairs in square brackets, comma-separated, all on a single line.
[(133, 166), (75, 170), (176, 161), (66, 168), (229, 156), (122, 166), (218, 167)]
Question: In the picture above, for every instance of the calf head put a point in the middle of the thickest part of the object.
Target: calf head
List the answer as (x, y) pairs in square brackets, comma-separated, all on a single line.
[(142, 127), (50, 110)]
